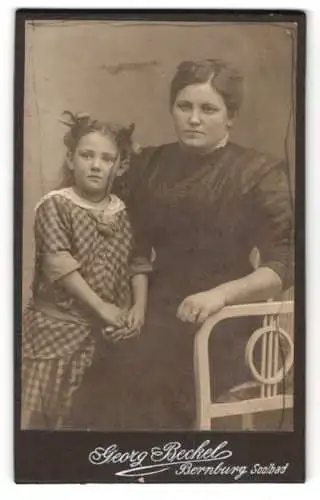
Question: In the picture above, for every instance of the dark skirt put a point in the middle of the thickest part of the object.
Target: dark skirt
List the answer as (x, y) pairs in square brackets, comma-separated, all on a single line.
[(147, 383)]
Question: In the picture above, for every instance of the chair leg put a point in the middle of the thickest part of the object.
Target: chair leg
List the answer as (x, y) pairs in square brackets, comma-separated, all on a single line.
[(203, 424), (247, 422)]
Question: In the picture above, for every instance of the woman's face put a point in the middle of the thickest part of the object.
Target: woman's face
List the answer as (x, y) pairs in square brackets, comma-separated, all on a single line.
[(200, 117), (94, 164)]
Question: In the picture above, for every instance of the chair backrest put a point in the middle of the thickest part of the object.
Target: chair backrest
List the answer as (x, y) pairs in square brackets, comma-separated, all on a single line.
[(277, 353), (275, 329), (274, 367)]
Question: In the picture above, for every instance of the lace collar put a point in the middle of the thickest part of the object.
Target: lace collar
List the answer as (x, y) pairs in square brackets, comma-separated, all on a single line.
[(109, 206)]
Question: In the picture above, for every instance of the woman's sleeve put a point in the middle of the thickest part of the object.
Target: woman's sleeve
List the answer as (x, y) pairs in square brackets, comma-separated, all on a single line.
[(133, 190), (53, 233), (271, 208)]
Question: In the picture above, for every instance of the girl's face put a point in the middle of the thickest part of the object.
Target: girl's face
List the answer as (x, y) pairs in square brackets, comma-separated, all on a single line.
[(200, 117), (94, 165)]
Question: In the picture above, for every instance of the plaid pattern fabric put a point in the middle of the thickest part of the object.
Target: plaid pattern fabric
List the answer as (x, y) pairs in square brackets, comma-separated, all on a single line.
[(103, 252), (48, 385), (45, 337), (104, 256), (57, 352)]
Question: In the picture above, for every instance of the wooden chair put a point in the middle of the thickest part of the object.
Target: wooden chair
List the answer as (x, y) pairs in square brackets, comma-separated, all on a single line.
[(267, 379), (276, 328)]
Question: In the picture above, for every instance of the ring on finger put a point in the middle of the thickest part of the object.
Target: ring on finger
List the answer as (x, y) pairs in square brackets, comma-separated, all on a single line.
[(194, 313)]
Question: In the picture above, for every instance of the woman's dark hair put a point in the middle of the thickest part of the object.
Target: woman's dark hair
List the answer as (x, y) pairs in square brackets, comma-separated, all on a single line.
[(82, 124), (223, 78)]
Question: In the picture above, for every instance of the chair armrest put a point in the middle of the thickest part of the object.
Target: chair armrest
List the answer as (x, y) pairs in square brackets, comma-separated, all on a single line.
[(257, 309)]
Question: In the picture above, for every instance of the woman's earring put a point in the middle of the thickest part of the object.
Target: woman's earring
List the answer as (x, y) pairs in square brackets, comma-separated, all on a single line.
[(69, 162)]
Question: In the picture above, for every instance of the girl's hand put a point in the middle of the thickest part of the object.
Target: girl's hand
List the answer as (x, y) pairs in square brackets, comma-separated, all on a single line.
[(122, 333), (112, 315), (198, 307), (134, 322), (135, 317)]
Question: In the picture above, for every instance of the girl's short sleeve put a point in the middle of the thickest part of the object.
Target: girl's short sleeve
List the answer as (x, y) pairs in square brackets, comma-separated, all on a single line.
[(53, 235)]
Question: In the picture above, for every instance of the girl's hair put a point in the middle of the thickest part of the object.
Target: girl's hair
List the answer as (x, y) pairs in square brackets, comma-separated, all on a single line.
[(82, 124), (227, 81)]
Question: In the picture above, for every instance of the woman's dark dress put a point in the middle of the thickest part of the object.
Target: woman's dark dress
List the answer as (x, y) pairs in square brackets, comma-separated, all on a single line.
[(203, 215)]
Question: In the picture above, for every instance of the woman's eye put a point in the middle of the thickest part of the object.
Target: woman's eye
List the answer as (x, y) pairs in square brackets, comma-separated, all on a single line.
[(184, 106), (206, 108)]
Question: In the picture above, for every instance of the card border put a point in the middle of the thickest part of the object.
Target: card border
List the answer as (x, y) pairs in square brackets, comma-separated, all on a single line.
[(62, 457)]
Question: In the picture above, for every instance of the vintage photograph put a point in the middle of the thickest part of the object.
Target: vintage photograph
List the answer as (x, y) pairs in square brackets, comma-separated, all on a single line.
[(158, 269)]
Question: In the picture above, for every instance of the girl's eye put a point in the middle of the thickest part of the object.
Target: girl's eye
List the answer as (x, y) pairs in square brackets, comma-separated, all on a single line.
[(109, 158), (208, 109), (86, 154)]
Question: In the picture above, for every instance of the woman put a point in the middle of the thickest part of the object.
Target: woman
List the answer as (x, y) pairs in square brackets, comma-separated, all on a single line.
[(202, 203)]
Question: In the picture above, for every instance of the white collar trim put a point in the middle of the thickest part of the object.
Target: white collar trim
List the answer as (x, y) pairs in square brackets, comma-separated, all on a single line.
[(110, 205)]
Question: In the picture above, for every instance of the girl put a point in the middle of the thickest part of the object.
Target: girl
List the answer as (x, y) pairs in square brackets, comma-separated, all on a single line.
[(87, 280)]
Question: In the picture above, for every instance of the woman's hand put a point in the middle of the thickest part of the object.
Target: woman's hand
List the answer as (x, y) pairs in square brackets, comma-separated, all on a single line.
[(198, 307)]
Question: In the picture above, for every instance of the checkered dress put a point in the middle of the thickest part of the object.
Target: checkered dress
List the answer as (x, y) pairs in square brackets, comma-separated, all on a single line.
[(55, 351)]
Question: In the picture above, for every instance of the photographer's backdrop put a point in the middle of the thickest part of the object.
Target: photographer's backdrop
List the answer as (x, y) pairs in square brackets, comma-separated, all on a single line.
[(121, 71)]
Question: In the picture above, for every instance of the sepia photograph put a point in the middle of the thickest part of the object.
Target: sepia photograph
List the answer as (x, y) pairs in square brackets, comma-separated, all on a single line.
[(158, 208)]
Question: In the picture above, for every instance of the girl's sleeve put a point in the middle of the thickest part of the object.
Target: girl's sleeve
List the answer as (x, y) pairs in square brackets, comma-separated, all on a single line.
[(140, 265), (53, 234), (272, 210)]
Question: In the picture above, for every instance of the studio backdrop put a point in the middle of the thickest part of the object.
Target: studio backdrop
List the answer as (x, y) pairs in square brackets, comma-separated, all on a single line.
[(121, 71)]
